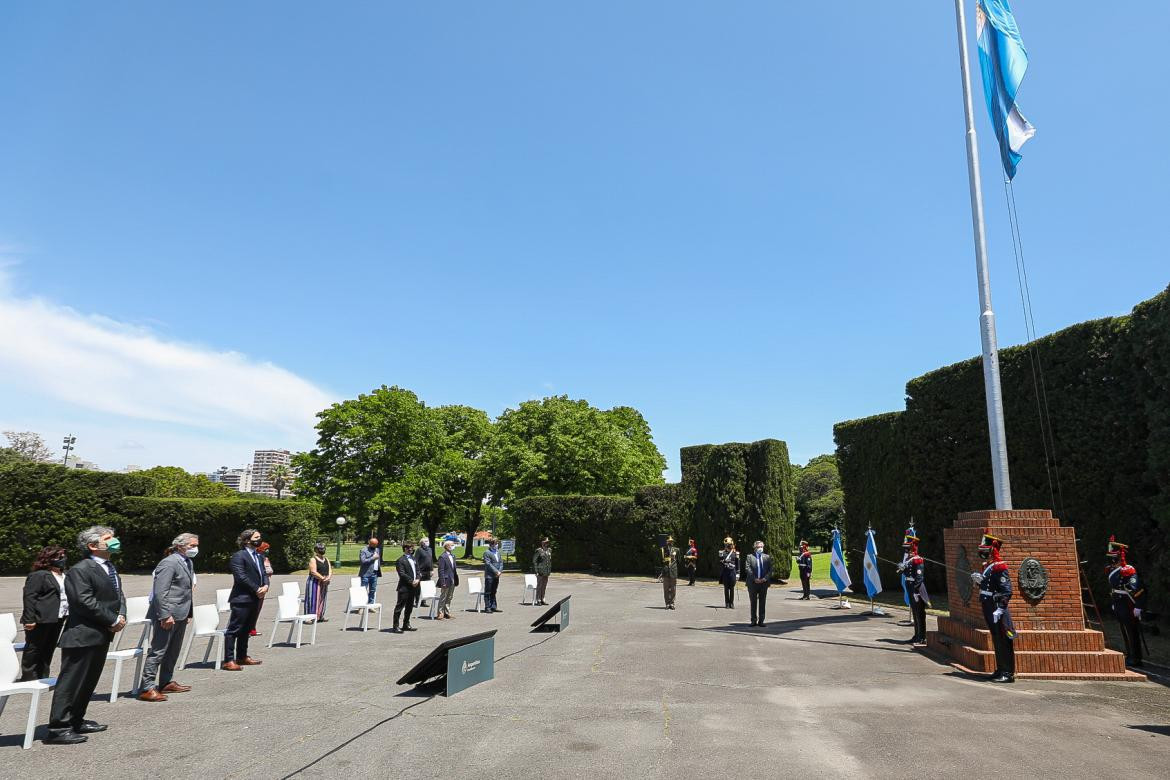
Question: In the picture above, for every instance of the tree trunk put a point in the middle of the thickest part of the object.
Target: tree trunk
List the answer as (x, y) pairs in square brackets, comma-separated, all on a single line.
[(474, 520)]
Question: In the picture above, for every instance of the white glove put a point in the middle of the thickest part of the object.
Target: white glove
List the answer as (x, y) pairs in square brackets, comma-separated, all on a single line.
[(995, 616), (917, 597), (1137, 613), (977, 578), (901, 568)]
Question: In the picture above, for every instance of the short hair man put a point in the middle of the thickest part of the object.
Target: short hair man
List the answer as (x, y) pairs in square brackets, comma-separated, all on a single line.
[(97, 611), (170, 611), (758, 572), (409, 585), (249, 584), (448, 580), (370, 567)]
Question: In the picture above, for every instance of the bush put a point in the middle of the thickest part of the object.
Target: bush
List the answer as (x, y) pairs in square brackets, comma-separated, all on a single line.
[(1108, 393), (44, 504), (586, 532), (148, 525)]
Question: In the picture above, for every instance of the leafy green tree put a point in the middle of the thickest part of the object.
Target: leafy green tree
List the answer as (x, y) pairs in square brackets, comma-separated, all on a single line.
[(280, 476), (560, 446), (469, 434), (174, 482), (820, 501), (374, 459)]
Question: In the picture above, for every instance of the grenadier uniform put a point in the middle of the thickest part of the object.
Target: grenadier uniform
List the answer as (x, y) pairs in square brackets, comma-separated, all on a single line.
[(995, 591), (804, 564), (913, 571), (1129, 599)]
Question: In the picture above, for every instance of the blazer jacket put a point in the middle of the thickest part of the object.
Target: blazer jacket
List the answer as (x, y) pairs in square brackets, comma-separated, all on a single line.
[(749, 569), (42, 598), (367, 559), (492, 565), (171, 593), (94, 605), (448, 575), (407, 574), (247, 578), (425, 558)]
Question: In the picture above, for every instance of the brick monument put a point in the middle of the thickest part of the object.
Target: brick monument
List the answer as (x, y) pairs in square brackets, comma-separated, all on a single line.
[(1051, 642)]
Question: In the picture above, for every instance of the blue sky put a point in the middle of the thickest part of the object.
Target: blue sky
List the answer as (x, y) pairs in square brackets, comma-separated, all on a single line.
[(747, 220)]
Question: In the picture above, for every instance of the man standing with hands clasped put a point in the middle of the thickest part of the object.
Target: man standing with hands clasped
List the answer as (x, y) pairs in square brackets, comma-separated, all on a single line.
[(758, 571), (408, 588), (97, 611), (170, 609), (250, 583)]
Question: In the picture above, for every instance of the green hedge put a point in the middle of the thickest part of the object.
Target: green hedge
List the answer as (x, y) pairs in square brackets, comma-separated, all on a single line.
[(1108, 392), (45, 504), (742, 490), (148, 525)]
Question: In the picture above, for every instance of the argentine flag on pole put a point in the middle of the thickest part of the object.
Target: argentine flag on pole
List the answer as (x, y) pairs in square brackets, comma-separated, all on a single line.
[(837, 565), (1003, 60), (873, 581)]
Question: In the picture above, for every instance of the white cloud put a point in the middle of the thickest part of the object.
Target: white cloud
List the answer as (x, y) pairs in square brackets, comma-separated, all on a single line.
[(94, 363)]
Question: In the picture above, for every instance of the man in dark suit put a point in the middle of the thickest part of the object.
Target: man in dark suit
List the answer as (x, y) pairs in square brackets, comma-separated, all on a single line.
[(408, 587), (758, 573), (249, 584), (97, 611), (424, 559)]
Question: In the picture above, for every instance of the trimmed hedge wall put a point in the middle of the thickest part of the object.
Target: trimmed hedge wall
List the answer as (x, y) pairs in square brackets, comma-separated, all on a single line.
[(45, 504), (1108, 389), (742, 490)]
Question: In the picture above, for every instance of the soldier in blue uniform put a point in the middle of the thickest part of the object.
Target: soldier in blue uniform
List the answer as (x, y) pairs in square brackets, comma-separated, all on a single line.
[(913, 573), (1129, 599), (804, 564), (995, 591)]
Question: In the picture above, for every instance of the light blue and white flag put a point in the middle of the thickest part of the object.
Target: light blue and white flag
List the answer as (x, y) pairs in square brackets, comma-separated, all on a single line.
[(1004, 61), (873, 580), (837, 568)]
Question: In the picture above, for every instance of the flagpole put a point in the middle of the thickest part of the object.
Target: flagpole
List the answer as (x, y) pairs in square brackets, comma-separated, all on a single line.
[(991, 384)]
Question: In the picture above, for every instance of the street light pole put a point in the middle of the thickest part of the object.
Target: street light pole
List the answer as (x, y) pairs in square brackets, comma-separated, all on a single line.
[(340, 524), (69, 441)]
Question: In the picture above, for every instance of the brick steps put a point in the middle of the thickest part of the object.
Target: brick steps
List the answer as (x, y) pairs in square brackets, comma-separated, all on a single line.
[(1127, 676), (1081, 640), (1039, 664)]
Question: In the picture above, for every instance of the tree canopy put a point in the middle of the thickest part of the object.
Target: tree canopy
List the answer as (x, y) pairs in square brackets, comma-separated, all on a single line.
[(820, 501)]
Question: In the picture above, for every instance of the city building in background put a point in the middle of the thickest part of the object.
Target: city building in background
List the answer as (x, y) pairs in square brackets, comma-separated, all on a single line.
[(238, 479), (262, 463)]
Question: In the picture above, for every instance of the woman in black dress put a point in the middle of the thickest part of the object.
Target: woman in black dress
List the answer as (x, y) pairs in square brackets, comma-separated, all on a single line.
[(45, 608), (729, 571)]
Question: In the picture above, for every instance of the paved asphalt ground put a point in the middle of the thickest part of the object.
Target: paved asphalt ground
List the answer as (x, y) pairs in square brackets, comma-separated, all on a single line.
[(630, 690)]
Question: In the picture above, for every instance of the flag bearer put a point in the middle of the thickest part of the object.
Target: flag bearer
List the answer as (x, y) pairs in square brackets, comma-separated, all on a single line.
[(913, 573), (995, 591), (1129, 599)]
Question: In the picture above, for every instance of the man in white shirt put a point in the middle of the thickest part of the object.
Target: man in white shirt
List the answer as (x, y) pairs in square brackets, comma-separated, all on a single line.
[(408, 587)]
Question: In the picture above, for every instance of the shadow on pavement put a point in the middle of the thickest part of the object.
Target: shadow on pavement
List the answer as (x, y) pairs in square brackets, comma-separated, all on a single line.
[(779, 629), (1163, 730)]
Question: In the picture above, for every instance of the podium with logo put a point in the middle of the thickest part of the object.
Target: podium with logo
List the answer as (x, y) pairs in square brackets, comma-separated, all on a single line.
[(459, 663)]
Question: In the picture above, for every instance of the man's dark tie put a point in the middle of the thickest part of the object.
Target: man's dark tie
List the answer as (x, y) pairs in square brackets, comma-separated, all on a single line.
[(113, 575)]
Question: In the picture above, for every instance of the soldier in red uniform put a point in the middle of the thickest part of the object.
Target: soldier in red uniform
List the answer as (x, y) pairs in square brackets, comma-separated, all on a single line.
[(995, 591), (1129, 599), (913, 570), (804, 564)]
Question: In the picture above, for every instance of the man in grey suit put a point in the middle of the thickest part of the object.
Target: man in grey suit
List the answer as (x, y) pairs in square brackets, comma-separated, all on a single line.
[(170, 609), (757, 569), (448, 579), (97, 611)]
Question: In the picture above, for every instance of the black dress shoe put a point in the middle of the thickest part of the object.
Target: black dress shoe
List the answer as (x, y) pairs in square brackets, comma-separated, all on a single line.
[(64, 737), (409, 628), (395, 630), (89, 727), (760, 624), (1002, 678)]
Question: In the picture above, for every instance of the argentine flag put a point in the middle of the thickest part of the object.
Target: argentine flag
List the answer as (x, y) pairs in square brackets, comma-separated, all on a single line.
[(837, 565), (873, 581), (1003, 61)]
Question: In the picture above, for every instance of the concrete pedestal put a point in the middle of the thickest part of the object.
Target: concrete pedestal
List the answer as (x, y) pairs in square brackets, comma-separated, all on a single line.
[(1052, 642)]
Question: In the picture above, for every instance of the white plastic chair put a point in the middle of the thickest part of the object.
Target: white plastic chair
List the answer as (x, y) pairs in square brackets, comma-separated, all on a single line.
[(287, 611), (221, 600), (136, 609), (358, 597), (120, 657), (475, 591), (9, 672), (205, 625), (529, 585), (291, 589), (8, 630), (356, 581), (429, 591)]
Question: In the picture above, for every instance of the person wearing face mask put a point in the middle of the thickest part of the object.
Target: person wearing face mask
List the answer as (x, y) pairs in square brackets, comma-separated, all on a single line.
[(170, 610), (317, 585), (263, 550), (493, 567), (1128, 599), (424, 559), (45, 608), (97, 611), (370, 568), (728, 571), (995, 591), (758, 569), (249, 584)]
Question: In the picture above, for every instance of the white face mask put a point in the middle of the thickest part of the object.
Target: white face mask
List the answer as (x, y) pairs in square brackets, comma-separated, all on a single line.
[(192, 552), (759, 550)]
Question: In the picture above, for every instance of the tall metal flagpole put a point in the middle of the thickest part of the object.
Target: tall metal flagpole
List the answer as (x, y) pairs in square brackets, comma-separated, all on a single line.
[(991, 386)]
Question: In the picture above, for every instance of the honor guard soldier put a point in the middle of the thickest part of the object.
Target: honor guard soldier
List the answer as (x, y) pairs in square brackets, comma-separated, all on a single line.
[(669, 571), (913, 574), (1129, 599), (995, 591), (804, 564)]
